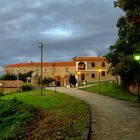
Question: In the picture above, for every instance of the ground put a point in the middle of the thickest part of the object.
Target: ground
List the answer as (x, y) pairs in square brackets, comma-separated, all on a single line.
[(44, 126), (112, 119)]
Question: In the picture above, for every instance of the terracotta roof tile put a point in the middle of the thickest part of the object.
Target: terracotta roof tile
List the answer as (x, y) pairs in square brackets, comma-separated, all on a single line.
[(89, 59), (44, 64), (11, 83)]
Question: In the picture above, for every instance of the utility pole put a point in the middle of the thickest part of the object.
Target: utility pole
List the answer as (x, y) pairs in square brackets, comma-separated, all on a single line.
[(41, 66)]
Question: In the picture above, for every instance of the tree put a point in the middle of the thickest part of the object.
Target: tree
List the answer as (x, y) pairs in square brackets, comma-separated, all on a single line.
[(8, 77), (46, 81), (72, 80), (24, 76), (121, 55)]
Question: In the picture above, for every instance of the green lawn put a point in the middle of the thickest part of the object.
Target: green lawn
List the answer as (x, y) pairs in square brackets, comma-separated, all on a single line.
[(13, 116), (110, 90), (66, 114)]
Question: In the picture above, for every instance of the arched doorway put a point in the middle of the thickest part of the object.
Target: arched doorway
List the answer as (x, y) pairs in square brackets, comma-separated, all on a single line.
[(82, 77), (58, 83), (58, 80)]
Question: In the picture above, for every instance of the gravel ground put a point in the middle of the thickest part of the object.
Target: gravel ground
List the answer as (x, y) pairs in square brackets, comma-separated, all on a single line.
[(112, 119)]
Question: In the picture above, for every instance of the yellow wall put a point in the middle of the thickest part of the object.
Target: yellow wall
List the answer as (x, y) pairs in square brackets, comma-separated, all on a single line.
[(63, 71)]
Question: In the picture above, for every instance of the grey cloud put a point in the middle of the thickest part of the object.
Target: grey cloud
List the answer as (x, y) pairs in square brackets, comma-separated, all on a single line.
[(68, 28)]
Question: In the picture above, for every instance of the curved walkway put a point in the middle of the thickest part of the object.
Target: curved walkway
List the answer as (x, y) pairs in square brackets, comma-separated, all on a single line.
[(112, 119)]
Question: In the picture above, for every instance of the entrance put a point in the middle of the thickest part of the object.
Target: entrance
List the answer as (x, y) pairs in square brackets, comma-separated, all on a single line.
[(58, 83)]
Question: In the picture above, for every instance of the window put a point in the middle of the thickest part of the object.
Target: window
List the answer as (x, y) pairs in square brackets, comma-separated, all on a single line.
[(81, 66), (92, 75), (103, 73), (103, 64), (45, 70), (92, 64), (7, 72), (54, 70), (66, 69), (82, 76)]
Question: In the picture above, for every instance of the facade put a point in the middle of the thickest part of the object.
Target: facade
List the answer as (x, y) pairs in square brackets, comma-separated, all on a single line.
[(85, 69), (9, 86)]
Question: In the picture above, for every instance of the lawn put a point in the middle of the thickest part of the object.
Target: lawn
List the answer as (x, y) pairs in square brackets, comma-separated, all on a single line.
[(13, 116), (57, 116), (110, 90)]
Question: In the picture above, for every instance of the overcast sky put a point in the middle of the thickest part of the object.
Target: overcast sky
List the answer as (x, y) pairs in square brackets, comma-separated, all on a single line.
[(67, 28)]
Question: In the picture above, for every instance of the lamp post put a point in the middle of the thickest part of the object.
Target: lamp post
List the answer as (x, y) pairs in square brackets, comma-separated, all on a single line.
[(99, 70), (18, 78), (78, 73), (53, 66), (137, 58)]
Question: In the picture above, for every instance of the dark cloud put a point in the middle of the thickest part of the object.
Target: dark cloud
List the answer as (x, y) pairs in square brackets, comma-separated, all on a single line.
[(68, 28)]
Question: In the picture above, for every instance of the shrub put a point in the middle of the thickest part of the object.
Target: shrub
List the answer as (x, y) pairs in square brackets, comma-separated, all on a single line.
[(26, 87), (72, 80), (14, 115)]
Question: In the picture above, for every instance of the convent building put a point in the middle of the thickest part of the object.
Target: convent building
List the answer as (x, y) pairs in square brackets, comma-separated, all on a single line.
[(85, 69)]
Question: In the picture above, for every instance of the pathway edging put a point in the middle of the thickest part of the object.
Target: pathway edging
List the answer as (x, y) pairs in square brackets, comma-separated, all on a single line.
[(86, 134)]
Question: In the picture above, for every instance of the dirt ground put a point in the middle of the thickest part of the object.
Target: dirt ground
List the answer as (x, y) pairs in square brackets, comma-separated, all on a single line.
[(44, 126)]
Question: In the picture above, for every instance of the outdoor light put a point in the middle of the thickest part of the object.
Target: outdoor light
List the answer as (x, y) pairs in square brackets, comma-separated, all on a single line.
[(78, 72), (137, 58), (99, 70)]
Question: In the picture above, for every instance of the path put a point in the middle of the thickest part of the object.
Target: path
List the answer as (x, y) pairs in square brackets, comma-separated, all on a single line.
[(112, 119)]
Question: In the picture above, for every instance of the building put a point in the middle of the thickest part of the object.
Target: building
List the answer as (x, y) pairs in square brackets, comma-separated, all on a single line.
[(9, 86), (85, 69)]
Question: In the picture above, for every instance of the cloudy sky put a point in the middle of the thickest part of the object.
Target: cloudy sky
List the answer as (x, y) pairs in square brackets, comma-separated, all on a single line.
[(67, 28)]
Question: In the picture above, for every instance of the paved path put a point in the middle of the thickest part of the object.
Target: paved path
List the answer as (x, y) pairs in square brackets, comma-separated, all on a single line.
[(112, 119)]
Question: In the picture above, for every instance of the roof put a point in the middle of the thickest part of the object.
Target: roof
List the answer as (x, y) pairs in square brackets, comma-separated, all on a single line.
[(11, 83), (71, 63), (89, 59), (43, 64)]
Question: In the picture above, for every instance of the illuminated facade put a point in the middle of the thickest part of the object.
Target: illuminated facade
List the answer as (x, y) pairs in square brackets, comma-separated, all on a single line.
[(85, 69)]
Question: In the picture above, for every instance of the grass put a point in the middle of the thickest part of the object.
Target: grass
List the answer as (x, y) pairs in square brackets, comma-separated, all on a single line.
[(13, 115), (65, 114), (110, 90)]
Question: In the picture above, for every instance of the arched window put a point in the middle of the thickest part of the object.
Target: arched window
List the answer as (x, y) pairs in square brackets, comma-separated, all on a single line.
[(92, 64), (82, 76), (81, 66), (93, 75), (103, 64), (103, 73)]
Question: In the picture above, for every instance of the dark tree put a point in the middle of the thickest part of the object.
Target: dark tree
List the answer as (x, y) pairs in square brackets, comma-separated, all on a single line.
[(24, 76), (46, 81), (8, 77), (72, 80), (121, 55)]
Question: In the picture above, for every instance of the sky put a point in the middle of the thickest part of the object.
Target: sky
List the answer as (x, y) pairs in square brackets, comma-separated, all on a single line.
[(67, 28)]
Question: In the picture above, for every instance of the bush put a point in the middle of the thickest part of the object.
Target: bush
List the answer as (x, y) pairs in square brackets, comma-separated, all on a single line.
[(72, 80), (14, 115), (26, 87)]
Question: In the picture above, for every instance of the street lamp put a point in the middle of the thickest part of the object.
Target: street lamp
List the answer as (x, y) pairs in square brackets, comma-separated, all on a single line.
[(78, 73), (137, 58), (99, 70), (18, 78)]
